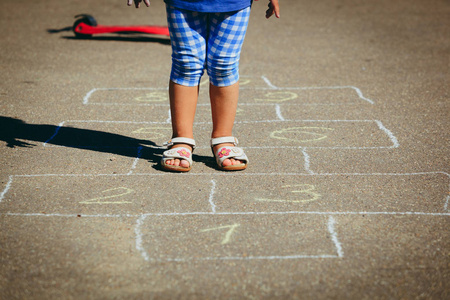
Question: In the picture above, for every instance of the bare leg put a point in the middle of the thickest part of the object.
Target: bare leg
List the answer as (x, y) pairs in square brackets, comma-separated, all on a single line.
[(183, 103), (223, 108)]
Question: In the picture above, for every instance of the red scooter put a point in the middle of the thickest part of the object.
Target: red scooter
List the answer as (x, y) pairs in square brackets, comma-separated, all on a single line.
[(85, 26)]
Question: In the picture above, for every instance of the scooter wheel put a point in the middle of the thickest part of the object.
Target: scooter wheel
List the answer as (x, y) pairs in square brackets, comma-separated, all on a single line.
[(86, 19)]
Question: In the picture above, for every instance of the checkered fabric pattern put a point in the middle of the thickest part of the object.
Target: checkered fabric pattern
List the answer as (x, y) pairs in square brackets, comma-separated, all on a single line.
[(206, 40)]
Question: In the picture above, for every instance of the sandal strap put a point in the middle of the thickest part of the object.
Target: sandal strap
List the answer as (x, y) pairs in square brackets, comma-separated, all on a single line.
[(225, 139), (179, 152), (180, 140), (230, 152)]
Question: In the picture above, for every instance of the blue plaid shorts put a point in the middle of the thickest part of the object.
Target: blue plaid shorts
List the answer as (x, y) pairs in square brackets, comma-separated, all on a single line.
[(206, 40)]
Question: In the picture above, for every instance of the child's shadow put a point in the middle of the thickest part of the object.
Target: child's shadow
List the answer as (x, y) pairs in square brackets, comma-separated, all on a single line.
[(12, 131)]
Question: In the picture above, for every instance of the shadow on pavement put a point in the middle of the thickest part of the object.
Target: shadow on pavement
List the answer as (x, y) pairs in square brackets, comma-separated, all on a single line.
[(13, 130)]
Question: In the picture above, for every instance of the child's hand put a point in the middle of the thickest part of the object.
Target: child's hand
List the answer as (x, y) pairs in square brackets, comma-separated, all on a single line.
[(137, 3), (274, 8)]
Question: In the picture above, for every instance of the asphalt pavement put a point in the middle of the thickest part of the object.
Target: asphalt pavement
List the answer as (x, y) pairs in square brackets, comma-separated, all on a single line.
[(344, 113)]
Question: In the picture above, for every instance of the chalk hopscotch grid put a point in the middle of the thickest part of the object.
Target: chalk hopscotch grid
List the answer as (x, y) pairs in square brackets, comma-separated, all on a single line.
[(278, 112), (331, 221), (270, 86), (142, 217)]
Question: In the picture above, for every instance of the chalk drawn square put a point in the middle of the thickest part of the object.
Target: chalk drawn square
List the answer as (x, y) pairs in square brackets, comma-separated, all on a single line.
[(331, 134), (234, 237), (377, 193), (360, 134), (103, 195)]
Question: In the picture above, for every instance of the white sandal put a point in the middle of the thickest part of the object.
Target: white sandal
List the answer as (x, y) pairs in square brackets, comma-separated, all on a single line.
[(178, 153), (227, 152)]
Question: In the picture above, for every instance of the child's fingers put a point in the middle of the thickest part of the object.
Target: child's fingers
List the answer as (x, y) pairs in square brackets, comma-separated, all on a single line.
[(274, 8), (137, 3)]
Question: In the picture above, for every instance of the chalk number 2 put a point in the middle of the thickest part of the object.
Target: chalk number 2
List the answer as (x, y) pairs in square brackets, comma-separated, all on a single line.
[(109, 195)]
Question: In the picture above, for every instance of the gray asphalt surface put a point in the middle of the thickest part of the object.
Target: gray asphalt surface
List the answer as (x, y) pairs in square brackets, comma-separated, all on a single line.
[(344, 113)]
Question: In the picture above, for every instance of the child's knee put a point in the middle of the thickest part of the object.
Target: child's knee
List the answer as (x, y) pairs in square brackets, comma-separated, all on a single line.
[(223, 72), (186, 73)]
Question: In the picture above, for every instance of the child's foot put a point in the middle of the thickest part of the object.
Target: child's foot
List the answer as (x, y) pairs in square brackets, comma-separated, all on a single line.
[(178, 157), (228, 156), (179, 162), (229, 161)]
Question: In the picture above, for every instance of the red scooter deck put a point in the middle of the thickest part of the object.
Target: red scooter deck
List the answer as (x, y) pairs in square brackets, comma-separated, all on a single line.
[(87, 26)]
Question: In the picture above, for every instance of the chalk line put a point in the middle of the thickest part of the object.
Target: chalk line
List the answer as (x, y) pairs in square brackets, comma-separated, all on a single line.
[(74, 215), (202, 213), (169, 119), (7, 187), (237, 122), (389, 134), (280, 119), (86, 98), (267, 81), (245, 258), (211, 195), (307, 162), (89, 94), (139, 242), (301, 213), (144, 254), (116, 122), (331, 229), (239, 104), (56, 132), (357, 90), (445, 200), (278, 111), (136, 160), (295, 120), (360, 94), (239, 174)]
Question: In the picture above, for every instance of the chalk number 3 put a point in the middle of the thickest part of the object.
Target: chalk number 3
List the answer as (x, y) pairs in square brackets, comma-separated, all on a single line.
[(306, 190)]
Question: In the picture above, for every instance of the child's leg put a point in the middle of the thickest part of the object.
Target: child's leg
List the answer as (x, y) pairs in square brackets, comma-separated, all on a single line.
[(223, 108), (187, 34), (227, 33), (183, 103)]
